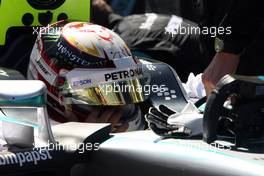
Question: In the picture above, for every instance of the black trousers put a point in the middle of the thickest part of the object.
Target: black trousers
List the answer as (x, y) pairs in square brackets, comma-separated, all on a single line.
[(252, 61)]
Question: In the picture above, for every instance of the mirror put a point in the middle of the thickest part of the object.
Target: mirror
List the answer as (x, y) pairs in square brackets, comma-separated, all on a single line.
[(23, 113)]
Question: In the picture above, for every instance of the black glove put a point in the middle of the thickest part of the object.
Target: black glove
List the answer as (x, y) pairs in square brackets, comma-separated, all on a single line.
[(167, 123), (158, 121)]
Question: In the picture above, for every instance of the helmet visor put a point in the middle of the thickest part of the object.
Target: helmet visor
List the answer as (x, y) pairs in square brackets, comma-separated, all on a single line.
[(115, 92)]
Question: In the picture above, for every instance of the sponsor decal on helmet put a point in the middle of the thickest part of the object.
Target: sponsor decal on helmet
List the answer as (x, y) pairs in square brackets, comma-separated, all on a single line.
[(66, 52), (86, 78), (41, 66), (44, 70), (82, 82), (69, 54), (123, 74)]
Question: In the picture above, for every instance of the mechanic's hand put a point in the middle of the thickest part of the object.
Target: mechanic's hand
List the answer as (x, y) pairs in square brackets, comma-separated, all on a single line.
[(101, 6), (221, 65), (100, 13)]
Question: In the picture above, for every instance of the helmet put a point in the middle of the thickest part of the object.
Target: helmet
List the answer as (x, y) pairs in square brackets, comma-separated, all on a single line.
[(87, 66)]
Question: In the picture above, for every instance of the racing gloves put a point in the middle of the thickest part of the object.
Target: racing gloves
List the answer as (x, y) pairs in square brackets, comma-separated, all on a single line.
[(167, 123)]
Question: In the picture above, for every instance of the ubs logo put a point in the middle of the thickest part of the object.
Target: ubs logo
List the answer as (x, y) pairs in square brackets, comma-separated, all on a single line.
[(45, 4), (44, 18)]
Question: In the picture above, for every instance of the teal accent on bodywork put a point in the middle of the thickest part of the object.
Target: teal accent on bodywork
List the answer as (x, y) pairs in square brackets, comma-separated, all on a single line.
[(185, 150), (32, 102), (17, 121), (202, 107), (261, 78)]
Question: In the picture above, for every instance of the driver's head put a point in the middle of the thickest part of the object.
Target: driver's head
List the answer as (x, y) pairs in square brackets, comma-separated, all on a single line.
[(90, 73)]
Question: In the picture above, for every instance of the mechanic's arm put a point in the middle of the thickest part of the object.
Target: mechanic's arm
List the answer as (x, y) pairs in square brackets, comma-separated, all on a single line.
[(103, 14), (221, 65), (244, 18), (100, 12)]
